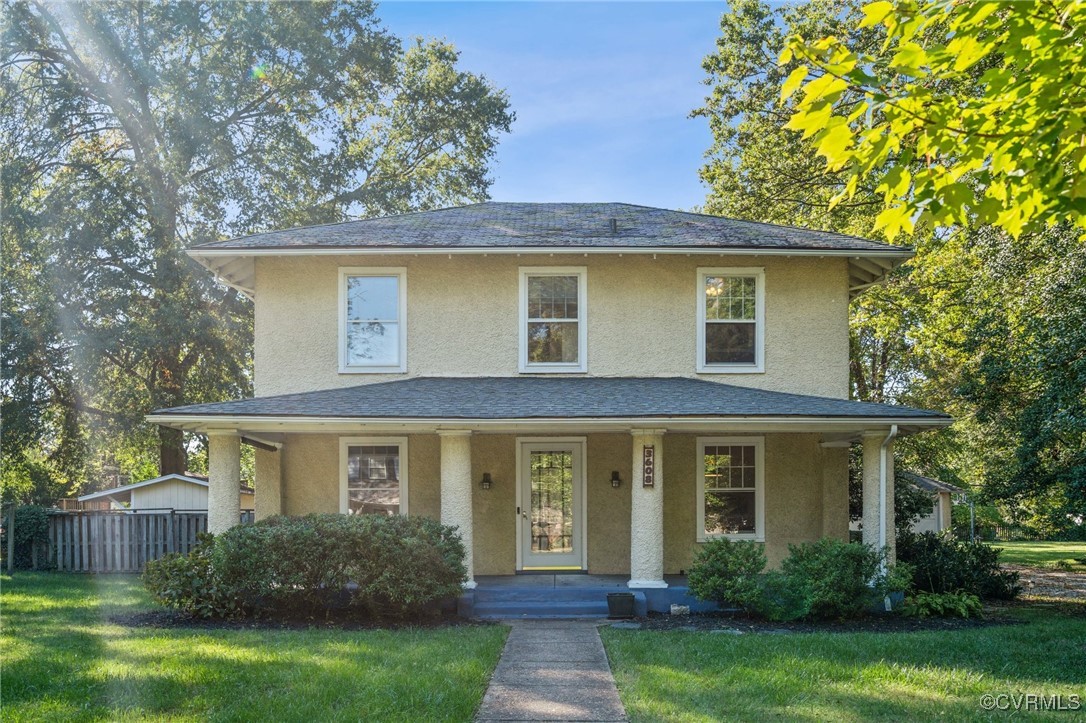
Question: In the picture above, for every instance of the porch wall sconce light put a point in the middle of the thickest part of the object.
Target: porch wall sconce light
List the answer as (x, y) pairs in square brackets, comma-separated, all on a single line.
[(487, 481), (616, 480)]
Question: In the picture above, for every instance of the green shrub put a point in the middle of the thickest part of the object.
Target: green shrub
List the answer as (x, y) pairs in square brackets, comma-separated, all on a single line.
[(941, 564), (779, 598), (820, 580), (943, 605), (31, 528), (835, 579), (373, 565), (727, 573), (189, 583)]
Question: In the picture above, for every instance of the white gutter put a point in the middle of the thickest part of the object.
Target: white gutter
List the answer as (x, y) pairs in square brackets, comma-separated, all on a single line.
[(243, 421), (196, 253)]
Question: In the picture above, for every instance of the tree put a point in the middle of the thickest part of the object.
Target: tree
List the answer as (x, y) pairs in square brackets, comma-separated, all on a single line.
[(131, 131), (1010, 154), (979, 324)]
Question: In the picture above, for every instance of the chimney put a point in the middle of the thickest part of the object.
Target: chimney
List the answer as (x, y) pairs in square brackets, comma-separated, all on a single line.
[(614, 225)]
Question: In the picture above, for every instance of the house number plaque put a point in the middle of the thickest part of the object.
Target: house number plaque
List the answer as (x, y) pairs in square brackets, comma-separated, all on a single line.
[(648, 474)]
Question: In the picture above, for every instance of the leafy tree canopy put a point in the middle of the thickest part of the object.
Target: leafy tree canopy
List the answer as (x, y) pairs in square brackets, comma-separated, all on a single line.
[(132, 130), (980, 324), (1011, 153)]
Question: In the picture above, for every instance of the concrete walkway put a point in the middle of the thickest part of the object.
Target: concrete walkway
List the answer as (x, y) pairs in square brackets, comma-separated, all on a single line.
[(552, 670)]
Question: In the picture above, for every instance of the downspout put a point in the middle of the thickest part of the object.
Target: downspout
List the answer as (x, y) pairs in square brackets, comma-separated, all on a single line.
[(883, 465)]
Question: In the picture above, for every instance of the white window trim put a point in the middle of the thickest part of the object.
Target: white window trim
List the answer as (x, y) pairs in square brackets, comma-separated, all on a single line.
[(401, 273), (758, 367), (759, 486), (581, 272), (345, 442)]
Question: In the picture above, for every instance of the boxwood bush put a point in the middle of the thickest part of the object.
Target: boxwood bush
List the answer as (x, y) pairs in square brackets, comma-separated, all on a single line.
[(727, 573), (828, 579), (377, 566)]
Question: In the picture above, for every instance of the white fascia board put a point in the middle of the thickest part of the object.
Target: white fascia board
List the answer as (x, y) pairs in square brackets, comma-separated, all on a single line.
[(599, 424), (897, 253)]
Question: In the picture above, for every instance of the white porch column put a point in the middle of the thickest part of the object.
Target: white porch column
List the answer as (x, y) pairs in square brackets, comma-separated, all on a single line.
[(224, 480), (647, 512), (456, 490), (878, 460)]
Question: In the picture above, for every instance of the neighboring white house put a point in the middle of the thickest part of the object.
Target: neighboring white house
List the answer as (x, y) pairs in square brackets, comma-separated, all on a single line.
[(168, 492), (938, 519)]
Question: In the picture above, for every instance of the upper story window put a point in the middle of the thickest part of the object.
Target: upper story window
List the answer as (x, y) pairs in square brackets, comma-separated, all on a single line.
[(373, 475), (373, 313), (731, 488), (553, 319), (731, 320)]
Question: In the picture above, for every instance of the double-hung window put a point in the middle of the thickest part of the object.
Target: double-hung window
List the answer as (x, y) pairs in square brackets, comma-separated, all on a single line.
[(731, 488), (373, 311), (373, 475), (553, 319), (731, 320)]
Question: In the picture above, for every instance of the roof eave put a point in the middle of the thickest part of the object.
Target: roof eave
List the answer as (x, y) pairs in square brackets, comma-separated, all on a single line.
[(235, 267), (331, 424)]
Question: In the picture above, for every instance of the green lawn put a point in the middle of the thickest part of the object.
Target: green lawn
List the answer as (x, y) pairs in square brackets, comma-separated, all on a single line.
[(63, 660), (681, 676), (1038, 554)]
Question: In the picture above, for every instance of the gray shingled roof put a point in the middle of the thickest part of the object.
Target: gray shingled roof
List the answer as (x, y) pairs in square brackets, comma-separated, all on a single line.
[(486, 398), (930, 485), (497, 225)]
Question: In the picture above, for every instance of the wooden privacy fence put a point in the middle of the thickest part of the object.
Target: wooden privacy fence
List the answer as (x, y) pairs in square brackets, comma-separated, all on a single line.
[(120, 541)]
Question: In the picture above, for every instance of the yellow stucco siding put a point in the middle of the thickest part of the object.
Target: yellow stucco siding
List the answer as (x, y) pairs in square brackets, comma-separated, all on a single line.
[(806, 494), (462, 318)]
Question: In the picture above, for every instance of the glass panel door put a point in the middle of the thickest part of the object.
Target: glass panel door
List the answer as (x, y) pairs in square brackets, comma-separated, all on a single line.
[(551, 501)]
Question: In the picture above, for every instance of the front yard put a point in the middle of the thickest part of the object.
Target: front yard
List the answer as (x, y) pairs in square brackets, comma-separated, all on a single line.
[(63, 659), (1040, 554), (684, 676)]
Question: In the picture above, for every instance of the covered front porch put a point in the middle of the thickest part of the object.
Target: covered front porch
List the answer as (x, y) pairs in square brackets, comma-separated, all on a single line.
[(621, 479)]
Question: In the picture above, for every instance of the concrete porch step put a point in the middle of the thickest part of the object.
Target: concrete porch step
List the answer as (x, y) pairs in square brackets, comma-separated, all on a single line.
[(545, 594), (559, 604)]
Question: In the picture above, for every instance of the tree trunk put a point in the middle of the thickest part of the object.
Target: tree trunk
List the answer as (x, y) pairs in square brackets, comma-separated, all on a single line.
[(172, 458)]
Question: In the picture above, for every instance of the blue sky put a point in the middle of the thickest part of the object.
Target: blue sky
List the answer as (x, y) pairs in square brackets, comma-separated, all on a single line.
[(602, 92)]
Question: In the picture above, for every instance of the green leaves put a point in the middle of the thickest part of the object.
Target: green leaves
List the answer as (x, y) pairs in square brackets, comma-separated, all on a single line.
[(994, 93), (131, 130)]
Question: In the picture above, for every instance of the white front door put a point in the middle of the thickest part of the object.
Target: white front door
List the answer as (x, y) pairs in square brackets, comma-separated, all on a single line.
[(551, 509)]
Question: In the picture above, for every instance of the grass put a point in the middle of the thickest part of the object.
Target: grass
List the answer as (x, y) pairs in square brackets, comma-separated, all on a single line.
[(1043, 554), (682, 676), (64, 660)]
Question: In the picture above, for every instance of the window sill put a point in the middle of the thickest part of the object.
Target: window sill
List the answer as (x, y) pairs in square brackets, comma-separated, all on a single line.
[(553, 369), (735, 538), (372, 370), (731, 370)]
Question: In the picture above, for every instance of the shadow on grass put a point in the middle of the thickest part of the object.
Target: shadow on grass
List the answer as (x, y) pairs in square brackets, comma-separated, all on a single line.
[(64, 659)]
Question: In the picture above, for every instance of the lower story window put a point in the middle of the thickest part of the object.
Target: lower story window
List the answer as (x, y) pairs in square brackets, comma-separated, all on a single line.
[(731, 500), (373, 476)]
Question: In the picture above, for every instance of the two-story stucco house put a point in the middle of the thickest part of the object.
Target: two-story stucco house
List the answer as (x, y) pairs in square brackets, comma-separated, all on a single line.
[(582, 386)]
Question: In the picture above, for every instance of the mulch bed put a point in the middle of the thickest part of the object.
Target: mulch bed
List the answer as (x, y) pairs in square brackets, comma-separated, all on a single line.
[(176, 619), (727, 623)]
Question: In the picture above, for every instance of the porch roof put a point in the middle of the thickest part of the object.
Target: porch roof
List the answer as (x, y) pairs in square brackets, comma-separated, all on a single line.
[(586, 401)]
